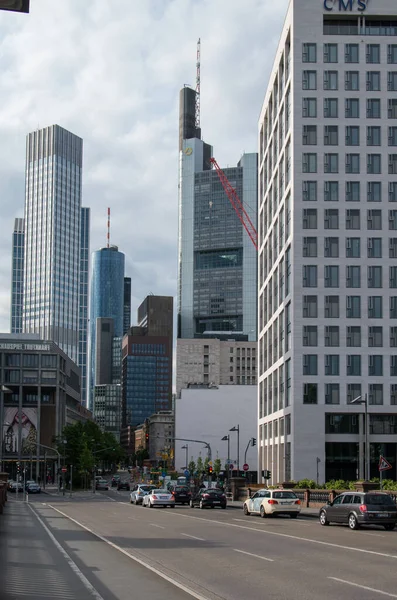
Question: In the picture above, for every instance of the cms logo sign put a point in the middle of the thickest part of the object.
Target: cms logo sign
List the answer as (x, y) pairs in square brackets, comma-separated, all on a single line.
[(346, 5)]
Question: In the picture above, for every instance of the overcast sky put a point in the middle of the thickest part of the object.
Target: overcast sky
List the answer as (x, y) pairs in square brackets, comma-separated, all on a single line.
[(110, 71)]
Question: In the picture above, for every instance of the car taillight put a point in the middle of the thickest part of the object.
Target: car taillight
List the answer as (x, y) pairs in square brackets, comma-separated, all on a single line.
[(154, 497), (363, 508), (206, 495), (297, 501), (272, 502)]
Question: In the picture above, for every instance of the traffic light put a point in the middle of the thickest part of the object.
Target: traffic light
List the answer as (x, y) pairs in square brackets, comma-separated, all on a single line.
[(147, 436), (210, 469), (266, 474), (18, 468), (253, 441)]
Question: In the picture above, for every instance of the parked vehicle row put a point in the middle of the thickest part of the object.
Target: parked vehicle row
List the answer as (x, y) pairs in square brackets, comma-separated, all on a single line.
[(31, 486)]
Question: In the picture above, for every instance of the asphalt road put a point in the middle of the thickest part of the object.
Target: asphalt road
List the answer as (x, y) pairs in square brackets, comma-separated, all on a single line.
[(125, 550)]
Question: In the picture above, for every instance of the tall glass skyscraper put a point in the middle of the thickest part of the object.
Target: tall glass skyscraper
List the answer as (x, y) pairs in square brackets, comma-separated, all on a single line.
[(18, 247), (83, 295), (107, 297), (50, 247), (54, 160), (217, 271)]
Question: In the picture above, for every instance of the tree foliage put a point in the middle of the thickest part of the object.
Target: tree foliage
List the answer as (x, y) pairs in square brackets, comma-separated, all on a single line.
[(85, 445)]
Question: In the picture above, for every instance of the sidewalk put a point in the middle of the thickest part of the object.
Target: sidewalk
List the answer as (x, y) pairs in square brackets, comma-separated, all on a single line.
[(30, 565)]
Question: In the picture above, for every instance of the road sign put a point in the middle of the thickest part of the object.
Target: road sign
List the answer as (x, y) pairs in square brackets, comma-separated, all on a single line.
[(384, 465), (64, 470), (245, 467), (231, 467), (186, 473), (164, 473)]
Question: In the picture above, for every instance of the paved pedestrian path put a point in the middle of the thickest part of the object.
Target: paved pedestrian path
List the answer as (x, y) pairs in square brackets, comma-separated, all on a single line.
[(31, 567)]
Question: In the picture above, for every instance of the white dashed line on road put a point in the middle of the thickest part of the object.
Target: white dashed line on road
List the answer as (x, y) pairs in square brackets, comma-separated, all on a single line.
[(363, 587), (193, 537), (155, 525), (254, 555)]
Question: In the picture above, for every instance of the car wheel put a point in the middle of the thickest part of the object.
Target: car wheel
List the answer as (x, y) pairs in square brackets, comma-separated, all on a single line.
[(262, 512), (353, 524), (150, 505), (323, 518), (201, 504), (294, 515), (245, 510), (172, 505), (191, 504), (223, 506), (131, 501), (389, 526)]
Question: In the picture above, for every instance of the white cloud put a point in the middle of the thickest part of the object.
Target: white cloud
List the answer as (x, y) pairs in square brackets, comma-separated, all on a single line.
[(111, 73)]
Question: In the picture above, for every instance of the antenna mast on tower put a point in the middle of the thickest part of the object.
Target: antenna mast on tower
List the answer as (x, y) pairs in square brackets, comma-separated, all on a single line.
[(108, 232), (198, 84)]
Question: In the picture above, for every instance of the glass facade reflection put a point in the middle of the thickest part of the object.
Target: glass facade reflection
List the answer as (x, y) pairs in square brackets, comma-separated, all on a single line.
[(107, 295), (217, 261), (83, 299), (52, 237), (18, 248)]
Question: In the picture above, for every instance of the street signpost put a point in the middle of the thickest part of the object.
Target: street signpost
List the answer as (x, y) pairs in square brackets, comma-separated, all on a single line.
[(384, 465), (64, 470), (186, 473), (246, 467)]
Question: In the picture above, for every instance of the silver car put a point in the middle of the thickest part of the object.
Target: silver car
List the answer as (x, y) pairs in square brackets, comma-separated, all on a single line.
[(139, 491), (158, 498)]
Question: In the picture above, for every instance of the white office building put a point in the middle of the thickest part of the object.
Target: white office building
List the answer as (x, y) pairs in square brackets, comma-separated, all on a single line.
[(328, 243)]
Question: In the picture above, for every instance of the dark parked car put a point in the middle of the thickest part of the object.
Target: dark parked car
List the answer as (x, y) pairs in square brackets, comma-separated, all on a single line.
[(181, 494), (33, 488), (13, 487), (123, 485), (115, 480), (358, 508), (208, 497)]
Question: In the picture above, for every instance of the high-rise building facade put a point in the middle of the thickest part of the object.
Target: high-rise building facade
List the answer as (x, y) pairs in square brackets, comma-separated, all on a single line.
[(217, 270), (147, 361), (18, 248), (83, 299), (328, 243), (54, 159), (127, 305), (107, 298)]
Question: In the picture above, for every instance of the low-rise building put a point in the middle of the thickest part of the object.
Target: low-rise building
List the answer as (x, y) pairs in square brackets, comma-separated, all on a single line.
[(40, 394), (213, 361)]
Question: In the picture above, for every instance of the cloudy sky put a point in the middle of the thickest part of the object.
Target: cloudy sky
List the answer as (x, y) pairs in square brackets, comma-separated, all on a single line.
[(110, 71)]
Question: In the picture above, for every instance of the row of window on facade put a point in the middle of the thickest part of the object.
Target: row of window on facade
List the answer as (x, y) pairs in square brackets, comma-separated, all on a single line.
[(351, 54), (351, 163), (30, 360), (353, 191), (352, 108), (332, 364), (352, 135), (310, 394), (331, 250), (374, 218), (353, 336), (353, 307), (332, 277), (330, 80)]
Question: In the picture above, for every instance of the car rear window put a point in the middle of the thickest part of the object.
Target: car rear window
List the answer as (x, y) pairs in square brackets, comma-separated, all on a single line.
[(181, 489), (379, 500), (216, 492), (284, 495)]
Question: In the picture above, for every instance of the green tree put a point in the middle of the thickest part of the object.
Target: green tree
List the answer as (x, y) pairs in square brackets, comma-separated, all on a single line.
[(206, 465), (217, 466), (200, 466), (192, 468)]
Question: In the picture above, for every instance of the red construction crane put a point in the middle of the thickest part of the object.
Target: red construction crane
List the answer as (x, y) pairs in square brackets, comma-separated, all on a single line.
[(237, 204)]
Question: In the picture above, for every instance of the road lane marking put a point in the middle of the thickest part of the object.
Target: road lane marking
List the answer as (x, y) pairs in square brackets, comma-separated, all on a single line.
[(241, 520), (363, 587), (193, 537), (174, 582), (68, 559), (254, 555), (288, 536), (155, 525), (372, 534)]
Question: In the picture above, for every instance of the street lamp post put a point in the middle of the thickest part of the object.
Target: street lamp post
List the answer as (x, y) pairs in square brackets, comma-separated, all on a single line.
[(58, 453), (361, 400), (186, 447), (237, 428), (224, 439), (318, 460)]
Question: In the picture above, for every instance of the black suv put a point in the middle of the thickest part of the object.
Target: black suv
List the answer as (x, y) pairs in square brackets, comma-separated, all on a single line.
[(358, 508), (208, 497)]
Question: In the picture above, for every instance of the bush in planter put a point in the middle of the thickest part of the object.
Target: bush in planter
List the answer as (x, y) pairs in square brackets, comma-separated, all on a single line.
[(306, 484), (389, 484), (337, 484)]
